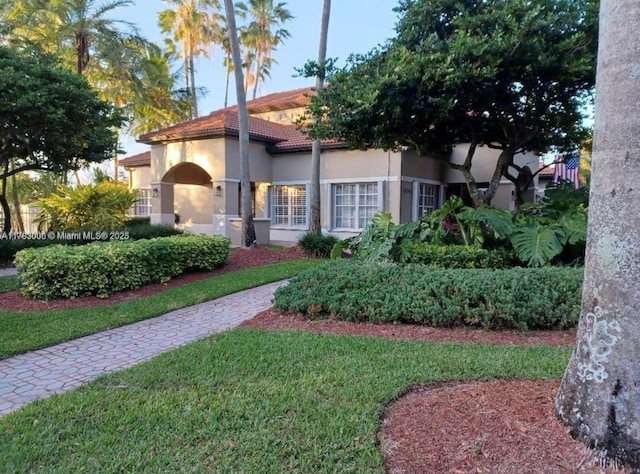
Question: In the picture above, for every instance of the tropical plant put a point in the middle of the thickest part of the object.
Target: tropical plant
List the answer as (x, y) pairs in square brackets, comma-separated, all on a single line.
[(262, 35), (195, 25), (102, 206)]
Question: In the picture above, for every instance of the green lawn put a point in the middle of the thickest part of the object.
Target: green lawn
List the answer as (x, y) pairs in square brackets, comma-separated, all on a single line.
[(248, 401), (22, 332), (8, 283)]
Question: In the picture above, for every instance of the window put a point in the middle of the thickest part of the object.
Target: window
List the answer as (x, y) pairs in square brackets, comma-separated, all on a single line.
[(427, 198), (142, 206), (354, 204), (289, 206)]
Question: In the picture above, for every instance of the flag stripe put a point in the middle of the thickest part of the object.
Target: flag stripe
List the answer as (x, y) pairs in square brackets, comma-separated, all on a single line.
[(568, 168)]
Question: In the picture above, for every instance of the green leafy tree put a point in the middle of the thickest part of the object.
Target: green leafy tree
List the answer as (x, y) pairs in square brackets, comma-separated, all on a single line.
[(51, 119), (103, 205), (509, 75)]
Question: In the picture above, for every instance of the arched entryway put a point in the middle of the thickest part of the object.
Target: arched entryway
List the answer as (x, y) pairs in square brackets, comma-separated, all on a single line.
[(187, 192)]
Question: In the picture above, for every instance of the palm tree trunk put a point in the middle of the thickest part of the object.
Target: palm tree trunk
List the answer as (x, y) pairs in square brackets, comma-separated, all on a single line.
[(599, 398), (248, 234), (192, 72), (16, 204), (257, 74), (316, 147), (226, 83)]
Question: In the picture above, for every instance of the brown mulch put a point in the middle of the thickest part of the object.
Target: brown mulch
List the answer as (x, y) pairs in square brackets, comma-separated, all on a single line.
[(480, 427)]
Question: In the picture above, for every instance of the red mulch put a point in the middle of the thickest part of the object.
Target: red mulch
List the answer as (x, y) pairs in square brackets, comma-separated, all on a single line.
[(497, 427)]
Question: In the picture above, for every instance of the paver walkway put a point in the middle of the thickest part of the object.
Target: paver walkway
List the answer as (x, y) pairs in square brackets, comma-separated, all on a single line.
[(60, 368), (8, 271)]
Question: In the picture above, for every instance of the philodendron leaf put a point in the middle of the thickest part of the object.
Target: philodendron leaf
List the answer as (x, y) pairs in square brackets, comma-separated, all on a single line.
[(537, 245)]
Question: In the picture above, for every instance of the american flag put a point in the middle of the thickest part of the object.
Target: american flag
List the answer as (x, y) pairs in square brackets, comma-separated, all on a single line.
[(568, 167)]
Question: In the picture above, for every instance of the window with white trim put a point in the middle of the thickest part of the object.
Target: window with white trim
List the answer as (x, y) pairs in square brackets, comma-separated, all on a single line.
[(289, 206), (354, 204), (427, 198), (142, 206)]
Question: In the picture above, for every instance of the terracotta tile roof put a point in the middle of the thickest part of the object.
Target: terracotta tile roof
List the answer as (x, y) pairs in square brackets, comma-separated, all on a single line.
[(221, 123), (280, 101), (547, 172), (224, 122), (141, 159)]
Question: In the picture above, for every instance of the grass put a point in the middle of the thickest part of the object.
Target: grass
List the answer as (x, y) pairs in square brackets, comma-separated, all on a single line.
[(249, 401), (25, 331), (8, 283)]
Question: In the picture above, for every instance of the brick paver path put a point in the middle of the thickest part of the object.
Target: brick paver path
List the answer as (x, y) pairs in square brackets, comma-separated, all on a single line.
[(59, 368)]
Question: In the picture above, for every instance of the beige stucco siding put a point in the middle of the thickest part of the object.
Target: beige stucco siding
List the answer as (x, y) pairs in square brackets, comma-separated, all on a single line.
[(207, 154), (484, 161), (285, 117), (194, 204), (259, 161), (139, 177), (421, 166)]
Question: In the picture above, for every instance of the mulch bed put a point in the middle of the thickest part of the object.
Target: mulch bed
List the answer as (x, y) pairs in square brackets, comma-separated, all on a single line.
[(497, 426), (238, 259)]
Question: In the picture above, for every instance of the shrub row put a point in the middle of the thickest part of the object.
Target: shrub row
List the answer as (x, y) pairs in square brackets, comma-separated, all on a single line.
[(517, 298), (102, 268), (457, 256), (135, 231)]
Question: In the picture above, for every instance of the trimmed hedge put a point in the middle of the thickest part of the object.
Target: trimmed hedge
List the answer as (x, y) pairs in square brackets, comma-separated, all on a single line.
[(136, 231), (516, 298), (457, 256), (102, 268)]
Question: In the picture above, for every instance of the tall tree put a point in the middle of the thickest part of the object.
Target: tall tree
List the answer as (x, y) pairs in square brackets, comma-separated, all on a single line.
[(248, 233), (599, 398), (264, 33), (195, 25), (316, 147), (509, 75), (51, 119)]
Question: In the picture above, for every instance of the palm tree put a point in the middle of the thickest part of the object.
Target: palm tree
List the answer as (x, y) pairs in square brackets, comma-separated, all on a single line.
[(599, 398), (314, 194), (264, 33), (248, 234), (195, 24), (82, 29)]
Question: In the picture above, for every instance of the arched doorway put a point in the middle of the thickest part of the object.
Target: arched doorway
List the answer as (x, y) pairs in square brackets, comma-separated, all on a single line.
[(191, 197)]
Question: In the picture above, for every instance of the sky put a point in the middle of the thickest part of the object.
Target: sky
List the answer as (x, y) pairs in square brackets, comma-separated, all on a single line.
[(355, 26)]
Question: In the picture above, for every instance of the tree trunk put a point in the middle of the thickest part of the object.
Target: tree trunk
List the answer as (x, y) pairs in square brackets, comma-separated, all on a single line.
[(599, 398), (248, 234), (316, 149), (6, 211), (257, 75), (16, 204), (226, 83), (192, 73)]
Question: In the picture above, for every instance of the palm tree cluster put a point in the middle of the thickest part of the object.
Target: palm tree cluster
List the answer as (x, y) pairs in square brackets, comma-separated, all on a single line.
[(196, 27)]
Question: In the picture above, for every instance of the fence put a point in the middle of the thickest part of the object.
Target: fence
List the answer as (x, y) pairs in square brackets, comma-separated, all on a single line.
[(28, 215)]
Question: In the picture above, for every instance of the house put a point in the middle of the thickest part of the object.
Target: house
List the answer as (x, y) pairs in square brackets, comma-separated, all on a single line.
[(191, 175)]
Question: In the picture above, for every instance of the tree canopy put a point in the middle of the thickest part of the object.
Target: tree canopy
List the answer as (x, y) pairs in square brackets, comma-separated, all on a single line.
[(50, 118), (510, 75)]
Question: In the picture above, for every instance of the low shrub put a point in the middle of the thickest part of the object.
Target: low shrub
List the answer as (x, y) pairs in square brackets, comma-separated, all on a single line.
[(102, 268), (456, 256), (9, 246), (317, 245), (516, 298)]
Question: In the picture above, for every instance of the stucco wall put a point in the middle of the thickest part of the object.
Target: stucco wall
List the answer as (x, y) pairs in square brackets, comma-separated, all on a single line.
[(139, 177), (259, 161), (484, 161), (285, 117), (208, 154), (193, 203)]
